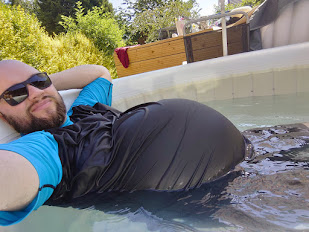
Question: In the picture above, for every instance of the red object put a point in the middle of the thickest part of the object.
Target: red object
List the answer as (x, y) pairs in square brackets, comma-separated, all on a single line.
[(123, 55)]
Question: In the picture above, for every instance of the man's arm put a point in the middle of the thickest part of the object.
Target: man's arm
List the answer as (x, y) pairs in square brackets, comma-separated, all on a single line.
[(19, 181), (79, 76)]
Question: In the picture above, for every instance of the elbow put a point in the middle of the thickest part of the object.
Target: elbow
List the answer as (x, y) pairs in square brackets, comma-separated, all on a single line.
[(106, 74), (109, 78)]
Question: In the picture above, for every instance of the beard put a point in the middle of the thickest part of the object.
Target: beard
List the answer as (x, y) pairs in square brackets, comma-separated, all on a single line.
[(37, 124)]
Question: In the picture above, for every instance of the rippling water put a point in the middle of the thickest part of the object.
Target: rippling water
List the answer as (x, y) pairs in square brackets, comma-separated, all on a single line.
[(267, 194)]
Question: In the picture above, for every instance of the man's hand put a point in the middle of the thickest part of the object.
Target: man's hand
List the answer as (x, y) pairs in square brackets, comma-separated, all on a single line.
[(79, 76)]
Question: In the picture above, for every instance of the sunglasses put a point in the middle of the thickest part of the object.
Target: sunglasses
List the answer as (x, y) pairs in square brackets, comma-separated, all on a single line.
[(19, 92)]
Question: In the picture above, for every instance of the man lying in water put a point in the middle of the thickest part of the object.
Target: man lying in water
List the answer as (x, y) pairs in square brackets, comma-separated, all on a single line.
[(168, 145)]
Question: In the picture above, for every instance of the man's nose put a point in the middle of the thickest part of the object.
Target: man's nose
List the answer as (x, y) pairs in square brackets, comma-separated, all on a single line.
[(34, 92)]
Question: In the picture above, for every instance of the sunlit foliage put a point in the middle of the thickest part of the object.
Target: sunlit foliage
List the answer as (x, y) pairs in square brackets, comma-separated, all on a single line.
[(23, 38)]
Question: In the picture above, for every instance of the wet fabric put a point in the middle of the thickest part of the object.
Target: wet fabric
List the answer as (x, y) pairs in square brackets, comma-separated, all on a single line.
[(169, 145)]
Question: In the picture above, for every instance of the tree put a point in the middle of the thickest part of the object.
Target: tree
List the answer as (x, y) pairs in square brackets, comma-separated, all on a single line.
[(49, 11), (230, 7), (143, 18), (142, 5), (99, 27), (151, 21), (23, 38), (27, 5)]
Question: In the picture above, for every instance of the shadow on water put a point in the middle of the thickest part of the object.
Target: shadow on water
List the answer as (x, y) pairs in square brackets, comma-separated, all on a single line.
[(270, 193), (171, 211)]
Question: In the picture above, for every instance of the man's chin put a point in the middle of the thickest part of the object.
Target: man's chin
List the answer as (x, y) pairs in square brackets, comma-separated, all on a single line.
[(50, 117), (39, 124), (45, 117)]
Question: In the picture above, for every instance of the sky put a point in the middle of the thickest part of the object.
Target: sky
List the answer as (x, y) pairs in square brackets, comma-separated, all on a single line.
[(206, 5)]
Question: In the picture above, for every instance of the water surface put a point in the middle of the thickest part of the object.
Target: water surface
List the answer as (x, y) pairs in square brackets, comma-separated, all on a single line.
[(269, 195)]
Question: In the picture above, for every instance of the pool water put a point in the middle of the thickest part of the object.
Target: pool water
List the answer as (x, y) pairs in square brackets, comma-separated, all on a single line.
[(269, 195), (253, 112)]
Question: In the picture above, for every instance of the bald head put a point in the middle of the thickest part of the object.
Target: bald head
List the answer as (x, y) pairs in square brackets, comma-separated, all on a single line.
[(15, 67), (12, 72), (14, 64)]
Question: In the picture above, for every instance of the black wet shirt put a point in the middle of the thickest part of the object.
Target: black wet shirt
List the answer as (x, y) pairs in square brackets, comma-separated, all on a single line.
[(164, 146)]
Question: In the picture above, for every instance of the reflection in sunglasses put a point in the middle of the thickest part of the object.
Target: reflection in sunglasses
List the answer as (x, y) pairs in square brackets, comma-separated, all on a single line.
[(19, 92)]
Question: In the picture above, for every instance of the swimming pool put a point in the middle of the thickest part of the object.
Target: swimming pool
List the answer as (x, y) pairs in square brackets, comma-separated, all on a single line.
[(271, 195), (255, 89)]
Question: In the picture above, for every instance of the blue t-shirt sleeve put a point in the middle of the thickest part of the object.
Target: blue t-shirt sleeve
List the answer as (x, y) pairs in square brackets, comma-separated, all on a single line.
[(41, 150), (100, 90)]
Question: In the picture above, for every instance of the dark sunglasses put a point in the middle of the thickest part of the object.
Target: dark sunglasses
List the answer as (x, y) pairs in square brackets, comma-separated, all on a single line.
[(19, 92)]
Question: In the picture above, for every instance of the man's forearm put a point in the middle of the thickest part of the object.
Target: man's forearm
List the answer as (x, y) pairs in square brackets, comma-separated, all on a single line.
[(79, 76)]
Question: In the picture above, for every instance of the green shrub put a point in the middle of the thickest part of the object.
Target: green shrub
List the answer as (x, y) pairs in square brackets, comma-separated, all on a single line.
[(23, 38), (98, 26), (20, 34), (69, 50)]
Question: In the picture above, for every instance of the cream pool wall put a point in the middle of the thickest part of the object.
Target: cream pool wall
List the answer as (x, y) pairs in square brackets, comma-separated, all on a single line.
[(273, 71)]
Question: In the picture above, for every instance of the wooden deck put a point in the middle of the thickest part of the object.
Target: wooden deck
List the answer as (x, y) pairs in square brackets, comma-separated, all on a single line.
[(148, 57), (191, 48)]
